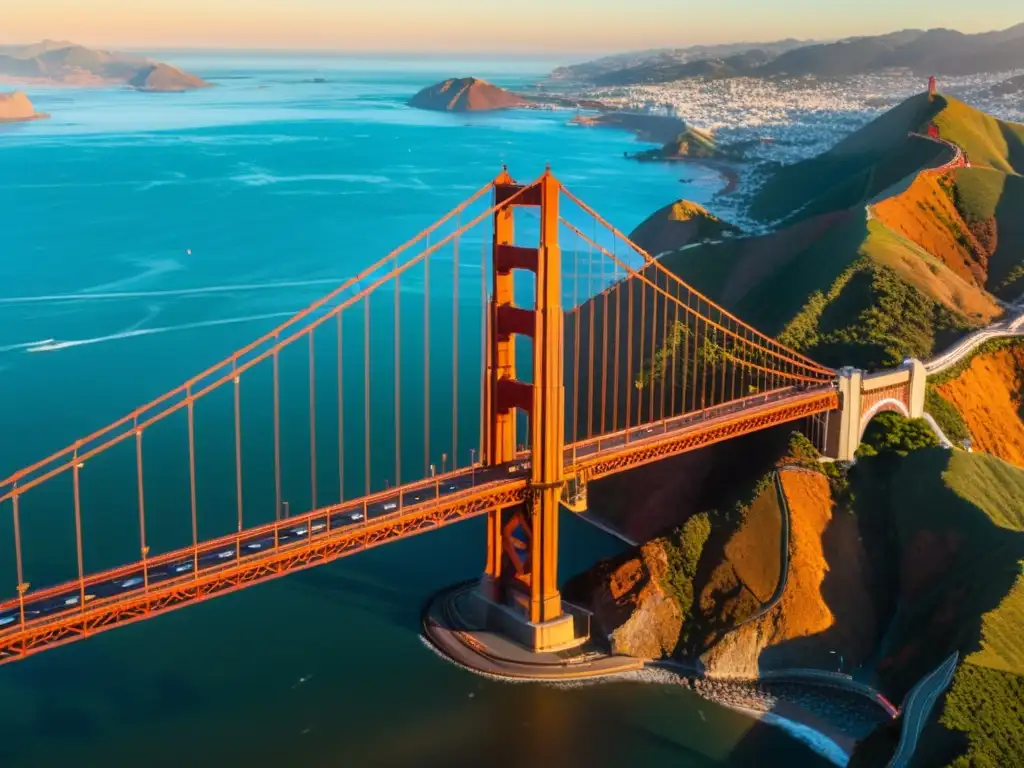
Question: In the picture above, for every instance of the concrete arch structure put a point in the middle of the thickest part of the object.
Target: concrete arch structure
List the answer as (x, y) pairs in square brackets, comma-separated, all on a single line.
[(863, 396)]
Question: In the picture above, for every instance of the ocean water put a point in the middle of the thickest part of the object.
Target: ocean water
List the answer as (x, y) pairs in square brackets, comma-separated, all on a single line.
[(145, 236)]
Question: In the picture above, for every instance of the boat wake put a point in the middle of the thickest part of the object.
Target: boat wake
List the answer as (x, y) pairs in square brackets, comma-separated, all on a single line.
[(52, 345)]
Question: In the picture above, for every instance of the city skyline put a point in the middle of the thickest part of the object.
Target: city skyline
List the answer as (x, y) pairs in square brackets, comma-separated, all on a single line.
[(461, 26)]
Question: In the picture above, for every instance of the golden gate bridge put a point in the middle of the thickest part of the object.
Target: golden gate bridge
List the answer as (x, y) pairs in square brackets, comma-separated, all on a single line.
[(603, 361)]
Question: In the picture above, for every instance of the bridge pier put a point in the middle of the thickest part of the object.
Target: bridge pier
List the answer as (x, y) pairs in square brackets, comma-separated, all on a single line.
[(863, 396)]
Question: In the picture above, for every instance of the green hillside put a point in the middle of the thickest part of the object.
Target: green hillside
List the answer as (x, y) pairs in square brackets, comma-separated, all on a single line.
[(929, 265), (857, 168), (880, 155), (841, 289), (679, 224), (957, 523)]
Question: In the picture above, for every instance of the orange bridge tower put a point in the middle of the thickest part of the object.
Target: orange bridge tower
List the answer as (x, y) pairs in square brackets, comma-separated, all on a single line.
[(520, 583)]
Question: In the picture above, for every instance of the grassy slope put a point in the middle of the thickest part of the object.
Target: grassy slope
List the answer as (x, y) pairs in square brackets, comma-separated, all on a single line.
[(856, 168), (677, 225), (850, 291), (959, 527)]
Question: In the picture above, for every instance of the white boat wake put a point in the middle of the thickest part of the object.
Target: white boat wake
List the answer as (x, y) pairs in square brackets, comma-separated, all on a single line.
[(52, 345), (213, 289)]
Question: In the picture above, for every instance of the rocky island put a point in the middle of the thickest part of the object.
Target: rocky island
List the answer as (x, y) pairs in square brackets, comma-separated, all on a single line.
[(468, 94), (15, 107), (62, 63), (692, 143)]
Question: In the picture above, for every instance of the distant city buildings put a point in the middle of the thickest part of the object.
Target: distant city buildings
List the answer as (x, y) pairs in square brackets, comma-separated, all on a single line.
[(789, 119)]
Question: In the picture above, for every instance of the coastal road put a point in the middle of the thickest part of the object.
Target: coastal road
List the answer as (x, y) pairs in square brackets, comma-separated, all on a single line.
[(917, 706)]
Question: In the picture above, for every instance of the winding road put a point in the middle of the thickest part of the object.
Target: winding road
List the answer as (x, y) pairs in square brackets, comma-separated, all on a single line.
[(917, 706)]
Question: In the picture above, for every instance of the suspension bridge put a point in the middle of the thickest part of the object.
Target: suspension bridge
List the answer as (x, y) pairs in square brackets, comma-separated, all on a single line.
[(432, 387)]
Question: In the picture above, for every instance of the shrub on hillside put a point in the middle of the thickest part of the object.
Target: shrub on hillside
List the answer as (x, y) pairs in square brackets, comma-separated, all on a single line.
[(683, 550), (893, 433), (946, 416)]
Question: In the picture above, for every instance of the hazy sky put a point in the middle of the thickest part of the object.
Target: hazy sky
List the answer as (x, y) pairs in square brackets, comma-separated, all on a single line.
[(477, 25)]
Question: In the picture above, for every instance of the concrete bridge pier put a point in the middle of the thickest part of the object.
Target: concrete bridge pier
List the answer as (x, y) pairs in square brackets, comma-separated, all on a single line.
[(862, 396)]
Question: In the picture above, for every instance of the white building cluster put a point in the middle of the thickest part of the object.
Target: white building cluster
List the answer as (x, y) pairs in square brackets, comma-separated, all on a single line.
[(799, 117)]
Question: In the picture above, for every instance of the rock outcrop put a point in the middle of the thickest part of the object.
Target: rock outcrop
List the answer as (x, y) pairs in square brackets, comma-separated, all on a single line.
[(679, 224), (644, 621), (467, 94), (16, 107), (826, 606), (163, 78)]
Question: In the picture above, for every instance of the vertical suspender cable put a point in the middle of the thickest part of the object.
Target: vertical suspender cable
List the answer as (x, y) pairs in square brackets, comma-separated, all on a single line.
[(618, 346), (591, 300), (604, 336), (665, 341), (366, 393), (655, 349), (398, 389), (341, 409), (643, 339), (142, 504), (629, 283), (192, 479), (312, 420), (455, 344), (426, 360), (676, 330), (277, 432), (238, 455), (576, 351), (484, 352), (22, 586), (78, 531), (696, 354)]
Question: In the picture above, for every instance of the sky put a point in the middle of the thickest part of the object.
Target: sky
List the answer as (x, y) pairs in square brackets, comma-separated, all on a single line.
[(446, 26)]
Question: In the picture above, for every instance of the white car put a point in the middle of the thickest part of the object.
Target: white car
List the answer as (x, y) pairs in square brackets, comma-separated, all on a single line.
[(390, 506), (354, 516)]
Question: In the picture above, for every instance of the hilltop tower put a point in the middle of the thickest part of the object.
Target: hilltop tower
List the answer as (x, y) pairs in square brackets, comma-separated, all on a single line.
[(931, 86)]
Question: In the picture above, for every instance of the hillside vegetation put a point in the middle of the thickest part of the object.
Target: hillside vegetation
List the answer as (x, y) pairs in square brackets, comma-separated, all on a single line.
[(679, 224), (929, 262), (957, 523), (987, 394)]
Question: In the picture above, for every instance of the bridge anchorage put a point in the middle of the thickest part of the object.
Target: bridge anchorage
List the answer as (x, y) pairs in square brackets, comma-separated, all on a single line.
[(597, 360)]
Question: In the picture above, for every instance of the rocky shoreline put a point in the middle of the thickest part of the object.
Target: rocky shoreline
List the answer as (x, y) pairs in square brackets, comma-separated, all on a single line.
[(841, 717)]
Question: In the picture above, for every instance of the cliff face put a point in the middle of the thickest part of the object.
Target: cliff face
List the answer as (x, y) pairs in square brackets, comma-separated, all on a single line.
[(826, 605), (684, 593), (16, 107), (989, 395), (632, 606), (468, 94)]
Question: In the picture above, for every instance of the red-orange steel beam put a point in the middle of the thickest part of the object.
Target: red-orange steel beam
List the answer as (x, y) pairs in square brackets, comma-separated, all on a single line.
[(106, 614), (646, 451)]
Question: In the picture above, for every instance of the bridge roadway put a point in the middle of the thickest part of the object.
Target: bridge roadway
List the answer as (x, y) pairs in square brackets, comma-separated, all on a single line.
[(59, 614)]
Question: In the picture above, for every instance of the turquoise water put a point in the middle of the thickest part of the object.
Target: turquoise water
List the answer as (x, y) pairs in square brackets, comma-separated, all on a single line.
[(147, 236)]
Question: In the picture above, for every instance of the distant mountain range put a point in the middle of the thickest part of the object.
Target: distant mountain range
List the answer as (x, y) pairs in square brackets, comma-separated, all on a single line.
[(934, 51), (592, 70), (53, 62)]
